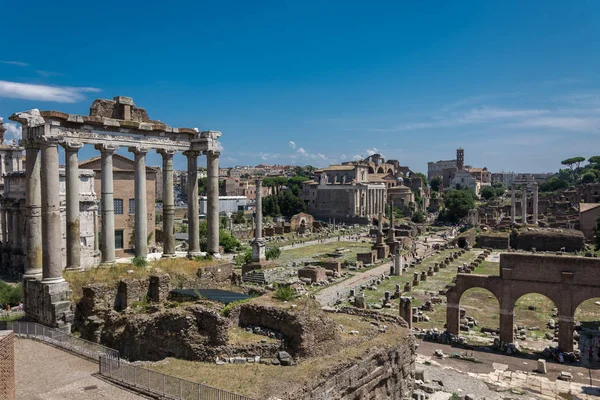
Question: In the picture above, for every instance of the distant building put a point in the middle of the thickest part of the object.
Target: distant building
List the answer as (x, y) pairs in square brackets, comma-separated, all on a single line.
[(227, 204), (436, 169), (588, 217), (464, 180)]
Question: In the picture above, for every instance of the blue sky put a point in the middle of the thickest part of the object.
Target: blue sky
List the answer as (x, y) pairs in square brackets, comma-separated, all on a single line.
[(515, 83)]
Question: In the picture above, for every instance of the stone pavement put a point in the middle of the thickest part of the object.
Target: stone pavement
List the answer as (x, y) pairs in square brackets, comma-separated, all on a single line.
[(47, 373), (506, 376)]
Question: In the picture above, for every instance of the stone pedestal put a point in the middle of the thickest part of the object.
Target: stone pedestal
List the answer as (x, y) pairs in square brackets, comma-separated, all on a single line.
[(48, 304), (406, 310)]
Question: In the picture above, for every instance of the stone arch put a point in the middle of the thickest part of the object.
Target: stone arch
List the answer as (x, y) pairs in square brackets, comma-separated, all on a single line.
[(390, 171), (475, 302), (587, 310), (371, 170), (520, 289), (583, 294), (380, 170)]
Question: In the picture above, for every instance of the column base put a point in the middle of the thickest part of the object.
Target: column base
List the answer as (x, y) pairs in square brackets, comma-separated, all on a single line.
[(192, 254), (52, 281), (107, 264), (48, 303), (173, 255), (74, 268), (35, 274)]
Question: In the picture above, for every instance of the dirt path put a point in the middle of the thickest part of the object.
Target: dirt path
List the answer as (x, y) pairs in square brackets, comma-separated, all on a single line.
[(330, 294)]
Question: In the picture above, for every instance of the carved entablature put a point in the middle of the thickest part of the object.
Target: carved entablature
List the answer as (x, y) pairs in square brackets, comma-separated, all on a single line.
[(98, 129)]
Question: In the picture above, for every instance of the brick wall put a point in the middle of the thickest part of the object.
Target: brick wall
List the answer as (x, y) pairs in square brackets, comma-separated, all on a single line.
[(7, 366)]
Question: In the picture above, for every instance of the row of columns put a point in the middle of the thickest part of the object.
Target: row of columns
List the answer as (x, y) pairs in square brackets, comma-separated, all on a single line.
[(43, 229), (513, 208)]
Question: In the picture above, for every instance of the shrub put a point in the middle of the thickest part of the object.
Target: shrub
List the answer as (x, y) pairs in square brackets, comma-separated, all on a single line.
[(10, 294), (284, 293), (273, 253), (243, 257), (139, 262)]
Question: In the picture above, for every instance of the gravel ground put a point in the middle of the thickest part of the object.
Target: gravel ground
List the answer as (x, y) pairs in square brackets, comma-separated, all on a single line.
[(46, 373)]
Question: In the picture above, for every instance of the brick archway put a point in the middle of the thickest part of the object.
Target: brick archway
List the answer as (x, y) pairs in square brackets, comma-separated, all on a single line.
[(567, 281)]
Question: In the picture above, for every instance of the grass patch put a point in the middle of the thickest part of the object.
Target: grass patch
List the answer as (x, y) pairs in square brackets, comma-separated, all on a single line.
[(284, 293), (307, 253)]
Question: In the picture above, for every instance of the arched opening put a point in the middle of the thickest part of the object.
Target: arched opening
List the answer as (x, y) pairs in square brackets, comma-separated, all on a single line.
[(371, 170), (390, 171), (587, 331), (380, 170), (536, 321), (481, 315)]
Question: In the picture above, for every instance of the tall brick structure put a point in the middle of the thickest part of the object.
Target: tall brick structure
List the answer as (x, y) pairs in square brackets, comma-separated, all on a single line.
[(7, 365)]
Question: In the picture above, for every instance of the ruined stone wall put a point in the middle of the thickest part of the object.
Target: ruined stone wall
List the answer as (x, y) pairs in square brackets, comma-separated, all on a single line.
[(467, 237), (493, 241), (303, 330), (543, 240), (381, 373)]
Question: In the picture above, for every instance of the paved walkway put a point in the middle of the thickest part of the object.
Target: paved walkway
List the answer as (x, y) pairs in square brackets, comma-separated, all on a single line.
[(46, 373)]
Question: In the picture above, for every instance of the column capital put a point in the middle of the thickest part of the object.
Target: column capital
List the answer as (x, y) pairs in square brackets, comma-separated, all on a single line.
[(72, 146), (106, 148), (47, 141), (138, 149), (214, 153), (258, 182), (166, 153), (191, 153)]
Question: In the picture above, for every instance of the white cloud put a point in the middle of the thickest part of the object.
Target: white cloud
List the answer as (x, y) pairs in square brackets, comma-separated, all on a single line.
[(17, 63), (321, 156), (566, 123), (343, 157), (302, 151), (292, 144), (357, 157), (60, 94), (372, 151), (220, 147), (13, 131)]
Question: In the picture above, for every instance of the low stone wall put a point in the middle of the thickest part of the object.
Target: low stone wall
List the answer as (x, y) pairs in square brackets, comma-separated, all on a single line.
[(380, 373), (493, 241), (48, 304), (549, 240), (467, 237)]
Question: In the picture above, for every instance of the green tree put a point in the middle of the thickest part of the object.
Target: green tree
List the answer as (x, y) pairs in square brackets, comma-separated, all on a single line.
[(423, 178), (553, 184), (418, 217), (457, 204), (488, 192), (228, 242), (573, 162), (588, 177), (436, 183), (595, 160)]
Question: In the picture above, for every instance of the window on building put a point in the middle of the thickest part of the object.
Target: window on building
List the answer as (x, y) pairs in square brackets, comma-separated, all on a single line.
[(119, 239), (118, 203), (131, 206)]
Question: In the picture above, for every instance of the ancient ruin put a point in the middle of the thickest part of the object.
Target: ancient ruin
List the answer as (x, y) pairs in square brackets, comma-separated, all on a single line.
[(110, 125)]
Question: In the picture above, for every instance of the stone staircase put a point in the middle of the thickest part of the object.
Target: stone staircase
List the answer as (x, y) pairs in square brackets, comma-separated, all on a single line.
[(257, 277)]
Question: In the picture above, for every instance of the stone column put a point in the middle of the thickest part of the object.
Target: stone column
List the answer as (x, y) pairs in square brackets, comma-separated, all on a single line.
[(51, 233), (15, 226), (168, 204), (258, 244), (524, 204), (193, 212), (212, 200), (535, 204), (141, 202), (4, 226), (72, 200), (33, 223), (513, 204), (507, 316), (108, 205), (566, 325)]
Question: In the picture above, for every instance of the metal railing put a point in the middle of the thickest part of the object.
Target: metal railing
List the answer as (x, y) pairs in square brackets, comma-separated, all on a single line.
[(91, 350), (156, 383)]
